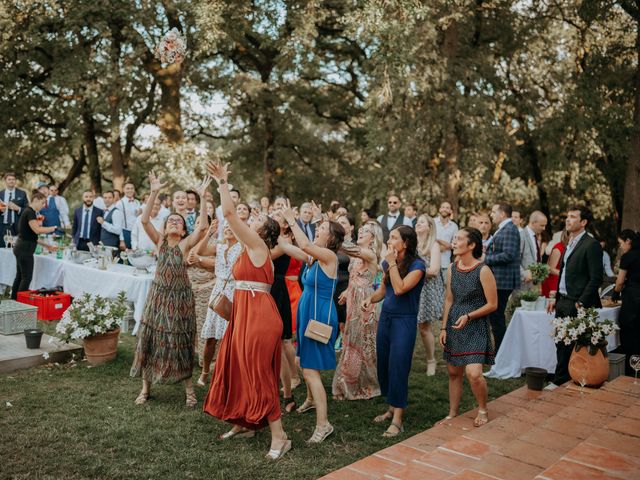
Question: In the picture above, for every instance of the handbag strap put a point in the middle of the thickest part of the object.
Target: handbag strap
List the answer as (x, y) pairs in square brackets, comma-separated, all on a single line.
[(315, 292), (226, 280)]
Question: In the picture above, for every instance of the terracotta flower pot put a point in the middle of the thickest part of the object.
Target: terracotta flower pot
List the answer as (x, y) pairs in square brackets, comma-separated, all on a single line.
[(589, 364), (101, 348)]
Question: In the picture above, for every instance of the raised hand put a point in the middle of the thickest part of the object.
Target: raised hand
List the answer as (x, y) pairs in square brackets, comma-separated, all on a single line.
[(202, 188), (317, 210), (391, 256), (155, 182), (288, 213), (213, 228), (218, 171)]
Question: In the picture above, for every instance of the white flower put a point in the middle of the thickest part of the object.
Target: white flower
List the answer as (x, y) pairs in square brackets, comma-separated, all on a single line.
[(8, 404), (45, 355)]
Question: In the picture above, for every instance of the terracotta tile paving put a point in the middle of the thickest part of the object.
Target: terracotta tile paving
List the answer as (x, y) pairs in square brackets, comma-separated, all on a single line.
[(548, 435)]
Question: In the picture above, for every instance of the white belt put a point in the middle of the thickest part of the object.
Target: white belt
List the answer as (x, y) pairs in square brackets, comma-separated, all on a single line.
[(252, 286)]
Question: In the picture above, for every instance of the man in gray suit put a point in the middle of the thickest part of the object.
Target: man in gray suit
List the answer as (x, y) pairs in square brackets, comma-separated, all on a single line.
[(530, 244)]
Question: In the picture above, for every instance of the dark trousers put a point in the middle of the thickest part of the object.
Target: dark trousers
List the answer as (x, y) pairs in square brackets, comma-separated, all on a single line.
[(4, 228), (629, 321), (564, 308), (498, 324), (394, 347), (23, 252)]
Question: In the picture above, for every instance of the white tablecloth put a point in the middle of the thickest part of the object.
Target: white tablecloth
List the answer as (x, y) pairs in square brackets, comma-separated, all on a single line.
[(47, 270), (81, 279), (528, 342)]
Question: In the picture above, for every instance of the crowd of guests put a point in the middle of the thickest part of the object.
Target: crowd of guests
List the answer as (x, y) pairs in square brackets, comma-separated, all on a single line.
[(303, 283)]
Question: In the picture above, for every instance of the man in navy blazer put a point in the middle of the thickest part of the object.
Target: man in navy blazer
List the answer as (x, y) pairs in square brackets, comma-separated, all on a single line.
[(85, 223), (503, 257), (304, 221), (13, 203)]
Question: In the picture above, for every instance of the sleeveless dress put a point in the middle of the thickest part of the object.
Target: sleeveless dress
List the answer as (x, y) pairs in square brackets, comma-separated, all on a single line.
[(293, 286), (202, 281), (214, 325), (244, 388), (356, 375), (431, 297), (164, 351), (280, 293), (316, 355), (473, 343)]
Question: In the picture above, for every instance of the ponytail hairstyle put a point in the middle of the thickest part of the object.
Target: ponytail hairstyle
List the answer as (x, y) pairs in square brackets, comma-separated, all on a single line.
[(474, 236)]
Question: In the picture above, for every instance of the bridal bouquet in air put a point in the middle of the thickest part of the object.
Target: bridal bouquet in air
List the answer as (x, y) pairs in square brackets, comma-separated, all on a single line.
[(90, 315), (172, 48)]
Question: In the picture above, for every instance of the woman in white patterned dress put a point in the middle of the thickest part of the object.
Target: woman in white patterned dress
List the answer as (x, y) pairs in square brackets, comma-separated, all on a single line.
[(432, 295), (214, 326)]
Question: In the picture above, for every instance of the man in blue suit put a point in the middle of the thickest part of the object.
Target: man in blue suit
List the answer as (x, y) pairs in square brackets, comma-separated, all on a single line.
[(85, 223), (503, 257), (12, 202), (304, 221)]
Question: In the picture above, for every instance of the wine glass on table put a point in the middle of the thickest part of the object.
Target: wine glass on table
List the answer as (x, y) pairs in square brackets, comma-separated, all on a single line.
[(634, 362)]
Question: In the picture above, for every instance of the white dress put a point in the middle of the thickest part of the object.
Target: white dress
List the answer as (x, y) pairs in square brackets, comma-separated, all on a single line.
[(215, 326)]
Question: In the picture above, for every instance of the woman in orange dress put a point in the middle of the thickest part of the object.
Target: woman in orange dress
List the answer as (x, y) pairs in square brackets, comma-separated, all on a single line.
[(244, 388)]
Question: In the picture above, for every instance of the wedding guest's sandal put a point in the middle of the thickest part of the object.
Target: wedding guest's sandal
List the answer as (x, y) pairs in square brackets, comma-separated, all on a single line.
[(388, 415), (481, 419), (306, 406), (242, 433), (320, 433), (431, 367), (202, 379), (289, 404), (445, 420), (391, 434), (278, 454), (142, 398), (191, 399)]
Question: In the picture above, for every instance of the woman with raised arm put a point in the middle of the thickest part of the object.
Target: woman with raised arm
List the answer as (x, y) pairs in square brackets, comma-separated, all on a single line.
[(244, 388), (400, 289), (316, 303), (432, 295), (465, 336), (164, 351), (355, 377)]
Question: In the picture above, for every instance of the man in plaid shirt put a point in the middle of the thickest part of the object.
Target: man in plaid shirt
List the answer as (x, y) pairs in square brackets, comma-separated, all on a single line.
[(502, 255)]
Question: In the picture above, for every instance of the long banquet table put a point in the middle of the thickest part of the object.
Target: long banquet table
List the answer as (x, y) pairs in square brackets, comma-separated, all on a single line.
[(77, 279), (528, 342)]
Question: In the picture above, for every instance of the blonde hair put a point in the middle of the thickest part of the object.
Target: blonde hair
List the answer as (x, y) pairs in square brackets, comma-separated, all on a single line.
[(378, 238), (424, 246)]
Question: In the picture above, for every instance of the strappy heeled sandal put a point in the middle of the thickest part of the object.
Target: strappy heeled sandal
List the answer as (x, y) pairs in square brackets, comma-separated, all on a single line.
[(389, 434), (142, 398), (191, 399), (306, 406), (320, 433), (481, 419), (278, 454)]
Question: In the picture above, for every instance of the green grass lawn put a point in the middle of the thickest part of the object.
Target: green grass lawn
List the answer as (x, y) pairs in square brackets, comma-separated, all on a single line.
[(76, 421)]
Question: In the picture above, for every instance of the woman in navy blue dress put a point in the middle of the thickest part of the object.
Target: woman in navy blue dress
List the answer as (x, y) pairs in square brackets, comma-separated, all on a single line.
[(470, 297), (402, 283), (316, 303)]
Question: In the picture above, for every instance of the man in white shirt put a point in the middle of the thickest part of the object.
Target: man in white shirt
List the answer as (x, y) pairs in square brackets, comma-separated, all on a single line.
[(62, 205), (445, 230), (139, 238), (165, 205), (130, 208), (530, 244), (112, 222), (393, 218), (411, 213), (12, 203)]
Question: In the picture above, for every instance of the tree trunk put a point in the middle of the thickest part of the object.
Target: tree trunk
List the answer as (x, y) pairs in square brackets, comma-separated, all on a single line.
[(268, 157), (75, 171), (169, 119), (630, 209), (453, 175), (115, 146), (91, 148)]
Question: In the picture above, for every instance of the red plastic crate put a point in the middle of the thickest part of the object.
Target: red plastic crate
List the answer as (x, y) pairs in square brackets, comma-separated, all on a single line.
[(50, 307)]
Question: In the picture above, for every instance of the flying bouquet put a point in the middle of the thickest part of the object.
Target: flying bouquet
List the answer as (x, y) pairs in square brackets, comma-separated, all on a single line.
[(172, 48)]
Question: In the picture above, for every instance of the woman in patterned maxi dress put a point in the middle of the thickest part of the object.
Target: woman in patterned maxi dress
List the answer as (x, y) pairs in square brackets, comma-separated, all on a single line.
[(244, 387), (356, 374), (466, 334), (164, 351)]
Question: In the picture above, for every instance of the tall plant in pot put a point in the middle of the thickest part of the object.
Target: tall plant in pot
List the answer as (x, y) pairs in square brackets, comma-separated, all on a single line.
[(539, 273), (94, 319), (588, 364)]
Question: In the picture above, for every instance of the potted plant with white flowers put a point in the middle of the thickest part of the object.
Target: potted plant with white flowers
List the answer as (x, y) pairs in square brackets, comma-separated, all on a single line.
[(96, 320), (588, 364), (539, 273)]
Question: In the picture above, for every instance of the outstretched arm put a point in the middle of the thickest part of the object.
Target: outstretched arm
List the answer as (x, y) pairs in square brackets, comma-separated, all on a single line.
[(324, 255), (156, 185)]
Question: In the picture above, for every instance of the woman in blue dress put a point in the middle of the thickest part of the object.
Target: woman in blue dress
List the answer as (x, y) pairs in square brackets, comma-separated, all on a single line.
[(316, 303), (401, 285)]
